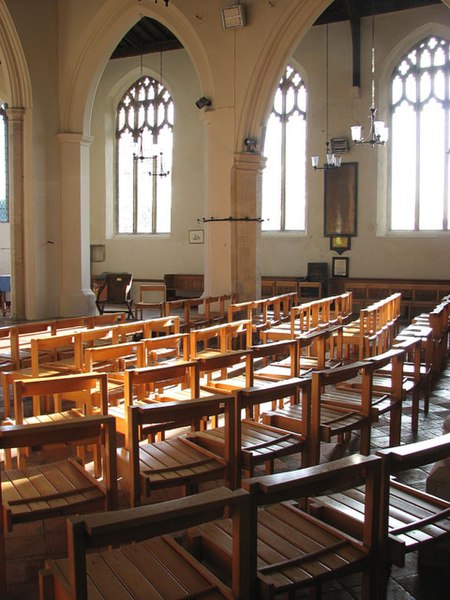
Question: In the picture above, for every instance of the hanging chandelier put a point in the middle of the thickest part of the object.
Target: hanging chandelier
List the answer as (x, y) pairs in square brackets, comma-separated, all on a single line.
[(331, 160), (378, 131)]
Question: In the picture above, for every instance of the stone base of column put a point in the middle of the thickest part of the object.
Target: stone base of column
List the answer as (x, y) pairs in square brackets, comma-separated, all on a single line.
[(77, 304)]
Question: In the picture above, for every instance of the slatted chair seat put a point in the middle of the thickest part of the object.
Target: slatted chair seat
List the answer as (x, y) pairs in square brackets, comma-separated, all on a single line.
[(291, 549), (260, 443), (46, 491), (176, 462), (150, 563), (412, 519), (332, 415)]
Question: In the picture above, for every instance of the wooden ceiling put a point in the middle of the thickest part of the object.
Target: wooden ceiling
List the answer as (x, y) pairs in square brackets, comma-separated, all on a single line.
[(149, 36)]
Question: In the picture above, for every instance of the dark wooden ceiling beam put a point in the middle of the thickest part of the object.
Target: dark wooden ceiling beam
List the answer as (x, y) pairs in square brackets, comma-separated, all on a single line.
[(354, 18)]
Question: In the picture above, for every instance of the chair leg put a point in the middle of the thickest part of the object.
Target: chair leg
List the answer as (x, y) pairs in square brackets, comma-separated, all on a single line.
[(3, 584)]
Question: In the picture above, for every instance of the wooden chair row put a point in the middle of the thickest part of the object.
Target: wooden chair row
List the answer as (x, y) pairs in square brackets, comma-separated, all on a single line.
[(375, 329), (318, 314), (282, 547)]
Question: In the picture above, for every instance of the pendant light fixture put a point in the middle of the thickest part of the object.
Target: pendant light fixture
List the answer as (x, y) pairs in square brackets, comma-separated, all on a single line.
[(331, 160), (378, 132)]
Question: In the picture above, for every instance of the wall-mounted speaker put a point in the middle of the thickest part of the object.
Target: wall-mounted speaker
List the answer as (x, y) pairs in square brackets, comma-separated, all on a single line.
[(233, 16)]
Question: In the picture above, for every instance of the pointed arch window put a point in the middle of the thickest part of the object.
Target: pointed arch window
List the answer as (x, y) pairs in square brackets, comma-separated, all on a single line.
[(284, 178), (420, 142), (144, 128), (4, 186)]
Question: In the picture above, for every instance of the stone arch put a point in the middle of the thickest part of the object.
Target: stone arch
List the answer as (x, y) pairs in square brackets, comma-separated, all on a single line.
[(13, 61), (96, 46), (298, 18)]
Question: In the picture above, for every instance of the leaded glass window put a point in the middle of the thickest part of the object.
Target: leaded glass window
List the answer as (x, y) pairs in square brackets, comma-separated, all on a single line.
[(420, 112), (144, 135), (284, 178)]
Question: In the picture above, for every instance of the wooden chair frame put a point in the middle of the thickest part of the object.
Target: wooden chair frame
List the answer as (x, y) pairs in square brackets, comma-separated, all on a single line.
[(134, 526)]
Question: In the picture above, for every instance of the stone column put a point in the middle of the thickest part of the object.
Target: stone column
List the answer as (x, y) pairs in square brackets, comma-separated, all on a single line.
[(246, 235), (16, 207), (76, 296)]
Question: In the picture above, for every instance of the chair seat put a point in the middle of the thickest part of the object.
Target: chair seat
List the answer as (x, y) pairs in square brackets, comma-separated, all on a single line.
[(260, 442), (291, 545), (173, 462), (333, 421), (49, 490), (156, 568), (415, 517)]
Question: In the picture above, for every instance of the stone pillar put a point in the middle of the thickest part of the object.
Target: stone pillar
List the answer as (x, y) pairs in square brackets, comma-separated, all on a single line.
[(246, 235), (76, 296), (16, 208)]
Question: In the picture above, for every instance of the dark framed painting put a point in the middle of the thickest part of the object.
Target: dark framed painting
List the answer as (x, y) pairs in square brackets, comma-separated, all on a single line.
[(340, 200)]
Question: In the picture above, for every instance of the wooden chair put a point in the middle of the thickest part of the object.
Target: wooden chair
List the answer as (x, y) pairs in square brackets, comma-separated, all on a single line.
[(50, 355), (106, 319), (176, 462), (131, 332), (115, 292), (167, 348), (88, 391), (114, 359), (333, 415), (148, 301), (418, 367), (217, 307), (413, 518), (275, 361), (164, 326), (20, 340), (389, 388), (196, 313), (49, 490), (168, 570), (259, 443), (292, 550), (161, 383), (179, 309)]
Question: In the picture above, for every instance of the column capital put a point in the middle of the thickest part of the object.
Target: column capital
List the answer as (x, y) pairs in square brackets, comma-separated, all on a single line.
[(249, 161), (15, 113), (75, 138)]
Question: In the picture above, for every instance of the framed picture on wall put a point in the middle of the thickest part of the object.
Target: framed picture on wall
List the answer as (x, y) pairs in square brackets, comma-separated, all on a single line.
[(196, 236), (340, 267), (340, 198)]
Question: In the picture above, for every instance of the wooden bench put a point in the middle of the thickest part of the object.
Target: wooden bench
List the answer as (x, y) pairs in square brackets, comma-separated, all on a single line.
[(183, 285), (305, 290), (417, 294), (168, 570)]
